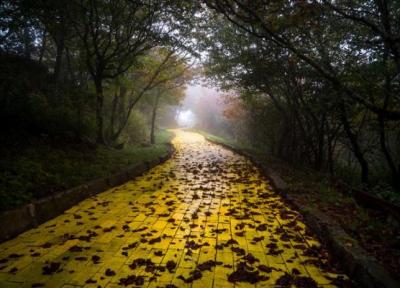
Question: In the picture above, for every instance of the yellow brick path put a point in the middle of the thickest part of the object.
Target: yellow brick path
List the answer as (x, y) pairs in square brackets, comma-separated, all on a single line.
[(190, 222)]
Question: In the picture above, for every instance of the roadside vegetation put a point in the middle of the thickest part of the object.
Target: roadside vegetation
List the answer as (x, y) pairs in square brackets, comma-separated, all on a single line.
[(42, 166), (315, 84), (84, 89)]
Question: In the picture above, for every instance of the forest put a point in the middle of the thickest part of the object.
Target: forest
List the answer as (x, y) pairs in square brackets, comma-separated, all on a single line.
[(315, 83), (80, 80), (307, 91)]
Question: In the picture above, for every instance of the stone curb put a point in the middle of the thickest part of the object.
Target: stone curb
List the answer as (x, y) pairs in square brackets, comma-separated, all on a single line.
[(13, 222), (364, 269)]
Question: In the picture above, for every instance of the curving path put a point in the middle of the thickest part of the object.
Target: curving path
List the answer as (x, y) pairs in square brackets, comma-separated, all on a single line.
[(205, 218)]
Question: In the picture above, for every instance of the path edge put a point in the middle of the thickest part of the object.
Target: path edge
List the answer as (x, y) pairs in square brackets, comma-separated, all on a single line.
[(16, 221), (355, 261)]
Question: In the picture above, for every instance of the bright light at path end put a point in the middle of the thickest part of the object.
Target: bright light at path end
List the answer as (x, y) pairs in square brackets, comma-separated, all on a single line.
[(186, 118)]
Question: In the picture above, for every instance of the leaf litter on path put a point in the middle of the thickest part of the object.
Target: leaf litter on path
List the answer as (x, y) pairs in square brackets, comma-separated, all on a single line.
[(206, 211)]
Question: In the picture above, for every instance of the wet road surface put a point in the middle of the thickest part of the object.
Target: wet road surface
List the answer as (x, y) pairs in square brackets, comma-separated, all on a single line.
[(205, 218)]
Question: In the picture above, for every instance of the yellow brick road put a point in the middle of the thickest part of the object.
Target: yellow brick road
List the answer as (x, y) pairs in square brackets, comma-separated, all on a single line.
[(205, 218)]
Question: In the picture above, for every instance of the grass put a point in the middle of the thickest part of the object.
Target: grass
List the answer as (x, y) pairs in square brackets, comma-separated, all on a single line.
[(228, 142), (42, 167)]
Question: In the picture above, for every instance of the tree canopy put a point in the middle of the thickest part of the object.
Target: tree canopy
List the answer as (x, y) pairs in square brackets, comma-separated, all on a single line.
[(320, 79), (313, 82)]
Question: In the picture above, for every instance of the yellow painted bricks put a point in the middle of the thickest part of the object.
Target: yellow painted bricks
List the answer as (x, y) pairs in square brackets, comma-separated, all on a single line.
[(205, 218)]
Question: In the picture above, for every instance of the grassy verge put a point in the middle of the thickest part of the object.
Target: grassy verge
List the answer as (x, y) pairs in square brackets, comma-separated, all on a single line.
[(41, 167), (226, 141), (377, 232)]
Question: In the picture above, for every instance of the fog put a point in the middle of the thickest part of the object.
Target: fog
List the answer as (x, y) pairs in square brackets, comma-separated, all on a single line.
[(201, 108), (186, 118)]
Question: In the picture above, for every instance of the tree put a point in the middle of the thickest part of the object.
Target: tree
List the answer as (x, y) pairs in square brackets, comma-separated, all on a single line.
[(281, 23), (348, 47), (170, 91), (113, 34)]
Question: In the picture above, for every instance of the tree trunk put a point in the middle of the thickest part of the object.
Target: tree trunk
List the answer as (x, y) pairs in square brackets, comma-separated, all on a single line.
[(58, 63), (114, 104), (99, 111), (43, 47), (282, 139), (320, 156), (153, 118), (70, 69), (27, 43), (389, 159), (354, 143), (330, 157), (59, 97)]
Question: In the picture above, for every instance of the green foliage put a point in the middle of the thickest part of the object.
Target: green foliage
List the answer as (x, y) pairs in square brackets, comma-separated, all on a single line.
[(386, 192), (57, 85), (28, 101), (63, 62), (318, 80), (136, 132), (45, 167)]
